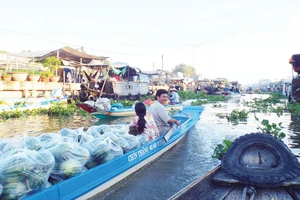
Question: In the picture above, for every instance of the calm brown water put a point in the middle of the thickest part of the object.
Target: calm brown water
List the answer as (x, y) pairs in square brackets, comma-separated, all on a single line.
[(187, 161)]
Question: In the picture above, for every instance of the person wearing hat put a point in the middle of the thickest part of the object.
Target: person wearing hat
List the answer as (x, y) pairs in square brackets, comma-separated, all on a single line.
[(174, 97)]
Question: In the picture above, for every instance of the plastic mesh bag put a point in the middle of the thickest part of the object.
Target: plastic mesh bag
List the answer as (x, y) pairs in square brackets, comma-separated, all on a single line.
[(98, 131), (133, 141), (114, 150), (103, 104), (70, 159), (23, 172), (98, 148), (13, 143), (32, 143)]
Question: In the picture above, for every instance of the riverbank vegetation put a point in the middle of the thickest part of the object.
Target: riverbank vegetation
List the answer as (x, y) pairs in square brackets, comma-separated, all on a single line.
[(275, 103), (56, 109), (200, 98), (265, 127)]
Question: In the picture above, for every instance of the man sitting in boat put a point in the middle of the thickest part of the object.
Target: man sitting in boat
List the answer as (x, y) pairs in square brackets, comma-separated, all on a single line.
[(160, 115), (143, 123), (174, 97)]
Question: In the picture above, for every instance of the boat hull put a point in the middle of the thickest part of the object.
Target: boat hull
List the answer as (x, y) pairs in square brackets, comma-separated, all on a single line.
[(35, 104), (124, 112), (256, 166), (102, 177)]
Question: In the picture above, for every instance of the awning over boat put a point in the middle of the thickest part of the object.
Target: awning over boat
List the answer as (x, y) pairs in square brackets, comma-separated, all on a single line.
[(151, 72), (127, 71), (119, 64), (115, 70), (70, 54)]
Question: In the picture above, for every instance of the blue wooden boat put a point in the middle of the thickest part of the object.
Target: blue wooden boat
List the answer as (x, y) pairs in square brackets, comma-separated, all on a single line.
[(100, 178), (127, 111), (34, 103)]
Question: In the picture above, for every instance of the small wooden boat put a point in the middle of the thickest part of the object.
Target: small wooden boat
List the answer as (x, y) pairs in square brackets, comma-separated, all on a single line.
[(101, 177), (29, 104), (127, 111), (256, 166)]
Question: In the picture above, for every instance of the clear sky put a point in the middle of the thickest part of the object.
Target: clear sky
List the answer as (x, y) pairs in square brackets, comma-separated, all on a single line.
[(243, 40)]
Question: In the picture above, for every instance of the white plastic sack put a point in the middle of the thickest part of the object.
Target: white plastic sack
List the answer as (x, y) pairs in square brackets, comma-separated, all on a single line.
[(23, 172), (103, 104)]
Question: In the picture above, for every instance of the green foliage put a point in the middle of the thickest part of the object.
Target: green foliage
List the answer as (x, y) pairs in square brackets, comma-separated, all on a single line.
[(46, 74), (51, 62), (126, 102), (185, 69), (236, 115), (186, 95), (5, 74), (221, 149), (199, 102), (272, 104), (56, 109), (20, 70), (2, 102), (272, 129), (294, 108), (34, 72)]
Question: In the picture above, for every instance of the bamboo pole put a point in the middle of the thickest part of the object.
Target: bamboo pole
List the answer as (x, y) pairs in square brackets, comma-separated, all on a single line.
[(104, 81)]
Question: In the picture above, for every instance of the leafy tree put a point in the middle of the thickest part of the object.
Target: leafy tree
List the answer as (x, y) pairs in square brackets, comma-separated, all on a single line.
[(1, 51), (185, 69), (51, 62)]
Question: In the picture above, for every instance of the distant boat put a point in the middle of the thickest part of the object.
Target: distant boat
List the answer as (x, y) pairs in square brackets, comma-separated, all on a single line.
[(34, 103), (127, 111)]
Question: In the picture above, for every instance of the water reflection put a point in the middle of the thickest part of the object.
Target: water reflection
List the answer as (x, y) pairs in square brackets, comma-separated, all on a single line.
[(187, 161), (294, 127), (36, 125)]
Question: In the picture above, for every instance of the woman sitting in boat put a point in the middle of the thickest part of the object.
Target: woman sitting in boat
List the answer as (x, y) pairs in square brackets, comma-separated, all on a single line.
[(143, 123), (160, 115)]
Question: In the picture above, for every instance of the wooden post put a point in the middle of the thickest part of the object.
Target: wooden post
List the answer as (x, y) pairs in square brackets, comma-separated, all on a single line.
[(64, 80), (57, 57), (104, 82), (79, 73)]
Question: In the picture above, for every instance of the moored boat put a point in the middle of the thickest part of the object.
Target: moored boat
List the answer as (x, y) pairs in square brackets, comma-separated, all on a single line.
[(127, 111), (34, 103), (256, 166), (101, 177)]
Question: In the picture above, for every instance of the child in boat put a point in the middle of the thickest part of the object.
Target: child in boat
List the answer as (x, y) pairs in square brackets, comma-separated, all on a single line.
[(143, 123)]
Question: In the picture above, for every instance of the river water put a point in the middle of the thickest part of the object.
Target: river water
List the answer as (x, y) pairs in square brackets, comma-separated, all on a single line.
[(187, 161)]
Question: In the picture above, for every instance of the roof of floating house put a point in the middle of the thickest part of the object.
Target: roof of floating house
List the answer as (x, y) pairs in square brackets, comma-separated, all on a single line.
[(69, 54)]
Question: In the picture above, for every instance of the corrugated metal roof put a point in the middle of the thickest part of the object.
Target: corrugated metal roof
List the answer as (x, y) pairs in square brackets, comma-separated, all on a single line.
[(68, 53)]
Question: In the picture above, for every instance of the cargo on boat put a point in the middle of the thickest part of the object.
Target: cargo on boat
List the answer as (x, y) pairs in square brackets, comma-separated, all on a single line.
[(101, 177)]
